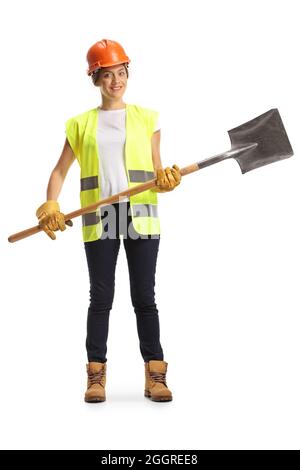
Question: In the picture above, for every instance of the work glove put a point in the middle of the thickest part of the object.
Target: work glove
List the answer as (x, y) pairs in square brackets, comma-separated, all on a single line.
[(51, 219), (167, 179)]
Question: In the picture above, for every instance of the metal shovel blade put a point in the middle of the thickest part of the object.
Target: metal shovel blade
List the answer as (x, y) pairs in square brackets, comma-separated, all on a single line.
[(263, 140)]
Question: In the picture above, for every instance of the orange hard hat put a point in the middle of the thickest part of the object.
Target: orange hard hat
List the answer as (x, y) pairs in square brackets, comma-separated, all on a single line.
[(105, 53)]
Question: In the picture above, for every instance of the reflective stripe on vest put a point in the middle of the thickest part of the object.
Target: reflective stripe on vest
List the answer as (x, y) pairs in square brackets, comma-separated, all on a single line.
[(139, 210), (81, 132), (144, 210), (91, 182), (140, 176), (91, 218)]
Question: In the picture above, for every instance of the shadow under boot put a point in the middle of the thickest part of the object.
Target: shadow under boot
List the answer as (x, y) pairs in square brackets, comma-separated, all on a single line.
[(96, 382), (155, 386)]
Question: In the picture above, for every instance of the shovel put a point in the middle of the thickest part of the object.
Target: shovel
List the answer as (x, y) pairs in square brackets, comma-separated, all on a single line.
[(256, 143)]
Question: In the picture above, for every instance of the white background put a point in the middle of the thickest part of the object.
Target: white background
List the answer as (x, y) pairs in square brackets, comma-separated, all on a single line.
[(228, 269)]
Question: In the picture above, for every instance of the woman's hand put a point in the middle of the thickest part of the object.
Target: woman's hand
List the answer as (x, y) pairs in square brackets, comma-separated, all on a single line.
[(51, 219), (167, 179)]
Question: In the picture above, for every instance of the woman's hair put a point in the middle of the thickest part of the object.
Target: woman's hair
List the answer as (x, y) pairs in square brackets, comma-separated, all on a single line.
[(96, 74)]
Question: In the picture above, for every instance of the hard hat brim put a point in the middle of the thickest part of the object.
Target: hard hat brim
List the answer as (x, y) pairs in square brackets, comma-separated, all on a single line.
[(97, 66)]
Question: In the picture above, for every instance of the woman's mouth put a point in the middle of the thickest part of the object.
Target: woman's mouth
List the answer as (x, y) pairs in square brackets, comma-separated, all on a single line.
[(115, 88)]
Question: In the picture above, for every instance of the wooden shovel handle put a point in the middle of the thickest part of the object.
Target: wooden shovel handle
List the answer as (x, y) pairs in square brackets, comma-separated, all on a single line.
[(104, 202)]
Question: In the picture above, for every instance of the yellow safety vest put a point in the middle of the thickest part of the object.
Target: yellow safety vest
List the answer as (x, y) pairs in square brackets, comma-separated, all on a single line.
[(81, 132)]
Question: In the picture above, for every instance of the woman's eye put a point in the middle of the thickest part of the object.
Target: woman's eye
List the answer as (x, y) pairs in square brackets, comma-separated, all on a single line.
[(107, 75)]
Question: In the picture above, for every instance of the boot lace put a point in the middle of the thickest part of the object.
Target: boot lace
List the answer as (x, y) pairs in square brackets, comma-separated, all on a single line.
[(96, 377), (158, 377)]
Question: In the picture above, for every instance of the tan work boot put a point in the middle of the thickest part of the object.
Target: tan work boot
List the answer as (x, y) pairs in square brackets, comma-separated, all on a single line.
[(155, 387), (96, 382)]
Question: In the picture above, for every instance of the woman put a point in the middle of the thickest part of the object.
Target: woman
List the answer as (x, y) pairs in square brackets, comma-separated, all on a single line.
[(117, 146)]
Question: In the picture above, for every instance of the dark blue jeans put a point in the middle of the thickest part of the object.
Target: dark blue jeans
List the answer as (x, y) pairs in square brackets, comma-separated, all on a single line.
[(102, 257)]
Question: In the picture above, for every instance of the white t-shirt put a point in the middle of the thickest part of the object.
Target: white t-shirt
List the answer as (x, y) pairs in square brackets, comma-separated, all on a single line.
[(111, 136)]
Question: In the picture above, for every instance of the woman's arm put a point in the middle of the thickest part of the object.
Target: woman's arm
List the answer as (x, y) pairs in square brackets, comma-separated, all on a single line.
[(166, 179), (155, 143), (49, 215), (59, 172)]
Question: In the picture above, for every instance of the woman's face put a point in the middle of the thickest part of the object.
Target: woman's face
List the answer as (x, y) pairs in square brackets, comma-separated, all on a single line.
[(112, 81)]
